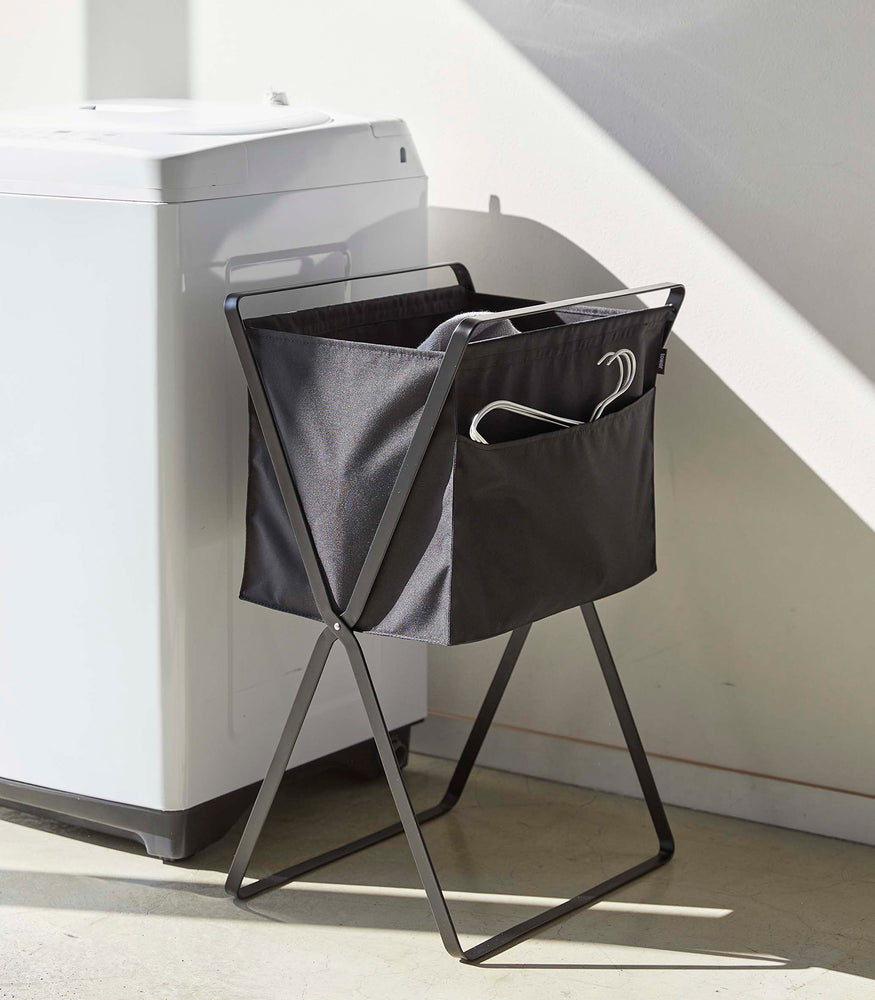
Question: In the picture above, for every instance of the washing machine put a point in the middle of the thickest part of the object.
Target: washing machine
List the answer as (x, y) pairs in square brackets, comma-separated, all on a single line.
[(138, 694)]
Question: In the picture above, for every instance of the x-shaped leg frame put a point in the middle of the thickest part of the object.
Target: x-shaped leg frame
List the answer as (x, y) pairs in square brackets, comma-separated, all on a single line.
[(410, 821)]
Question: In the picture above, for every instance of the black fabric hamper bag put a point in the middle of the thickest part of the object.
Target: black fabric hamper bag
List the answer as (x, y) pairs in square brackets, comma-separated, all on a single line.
[(376, 505), (492, 536)]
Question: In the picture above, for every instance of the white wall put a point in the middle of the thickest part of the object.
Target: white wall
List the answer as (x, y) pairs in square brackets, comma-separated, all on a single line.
[(54, 51), (42, 52), (137, 48), (750, 651)]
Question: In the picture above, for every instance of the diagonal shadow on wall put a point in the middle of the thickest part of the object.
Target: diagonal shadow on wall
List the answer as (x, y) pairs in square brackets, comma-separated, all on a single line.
[(756, 116)]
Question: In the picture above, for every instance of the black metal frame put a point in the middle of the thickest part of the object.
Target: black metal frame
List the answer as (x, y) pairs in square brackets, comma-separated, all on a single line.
[(341, 626)]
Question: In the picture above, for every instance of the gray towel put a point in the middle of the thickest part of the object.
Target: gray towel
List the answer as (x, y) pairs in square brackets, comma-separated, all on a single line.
[(439, 338)]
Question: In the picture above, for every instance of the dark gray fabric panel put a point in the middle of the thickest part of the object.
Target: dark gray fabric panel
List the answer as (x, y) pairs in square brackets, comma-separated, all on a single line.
[(548, 522), (346, 413)]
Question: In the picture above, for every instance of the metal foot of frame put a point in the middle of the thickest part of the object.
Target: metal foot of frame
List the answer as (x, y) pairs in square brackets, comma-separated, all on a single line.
[(410, 821)]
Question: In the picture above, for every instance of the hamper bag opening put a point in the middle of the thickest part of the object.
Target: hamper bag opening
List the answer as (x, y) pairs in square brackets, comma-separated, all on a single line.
[(491, 536), (392, 321)]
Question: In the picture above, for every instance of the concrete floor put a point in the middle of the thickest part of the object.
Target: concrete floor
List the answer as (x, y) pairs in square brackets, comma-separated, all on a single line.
[(743, 911)]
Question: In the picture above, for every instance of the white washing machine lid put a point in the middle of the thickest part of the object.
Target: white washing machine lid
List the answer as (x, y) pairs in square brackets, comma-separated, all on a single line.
[(177, 150)]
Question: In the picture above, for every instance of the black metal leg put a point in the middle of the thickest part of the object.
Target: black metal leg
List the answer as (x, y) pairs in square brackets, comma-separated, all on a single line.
[(410, 822), (630, 731)]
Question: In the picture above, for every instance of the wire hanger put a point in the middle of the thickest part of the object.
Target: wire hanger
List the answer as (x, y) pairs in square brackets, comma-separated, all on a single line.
[(628, 366), (511, 407)]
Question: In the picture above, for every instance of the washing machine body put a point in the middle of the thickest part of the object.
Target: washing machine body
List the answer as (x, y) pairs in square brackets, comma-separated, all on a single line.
[(139, 694)]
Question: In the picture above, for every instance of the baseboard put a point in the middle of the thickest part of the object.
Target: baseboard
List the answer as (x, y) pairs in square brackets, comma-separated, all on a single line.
[(776, 801)]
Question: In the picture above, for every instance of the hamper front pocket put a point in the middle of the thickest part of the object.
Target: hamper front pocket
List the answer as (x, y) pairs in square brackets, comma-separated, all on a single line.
[(544, 523)]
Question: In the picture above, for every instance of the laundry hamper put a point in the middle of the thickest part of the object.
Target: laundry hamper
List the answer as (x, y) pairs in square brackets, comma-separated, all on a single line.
[(371, 509)]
